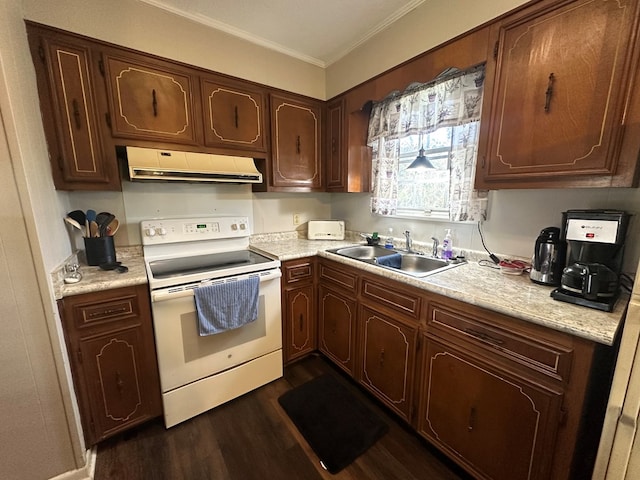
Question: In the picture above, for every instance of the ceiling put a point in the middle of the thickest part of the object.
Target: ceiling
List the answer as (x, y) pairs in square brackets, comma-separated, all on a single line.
[(316, 31)]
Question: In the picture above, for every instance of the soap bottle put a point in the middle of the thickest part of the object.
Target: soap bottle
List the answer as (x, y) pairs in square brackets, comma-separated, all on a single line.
[(447, 246), (388, 243)]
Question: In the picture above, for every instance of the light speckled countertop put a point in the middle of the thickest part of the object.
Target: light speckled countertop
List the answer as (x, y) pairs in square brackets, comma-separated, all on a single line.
[(94, 279), (472, 283)]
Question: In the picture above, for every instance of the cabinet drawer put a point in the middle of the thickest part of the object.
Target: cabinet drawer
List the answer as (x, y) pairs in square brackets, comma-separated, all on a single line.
[(402, 301), (522, 347), (88, 311), (344, 280), (298, 271)]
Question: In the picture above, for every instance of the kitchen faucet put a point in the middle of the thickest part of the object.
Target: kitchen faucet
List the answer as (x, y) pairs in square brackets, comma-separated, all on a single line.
[(434, 251), (407, 236)]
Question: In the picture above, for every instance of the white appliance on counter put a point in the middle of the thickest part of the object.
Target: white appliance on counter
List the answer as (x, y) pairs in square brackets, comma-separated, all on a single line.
[(197, 372), (619, 451)]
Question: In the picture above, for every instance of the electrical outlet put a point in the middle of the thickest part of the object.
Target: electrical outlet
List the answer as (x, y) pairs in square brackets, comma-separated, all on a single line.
[(296, 219)]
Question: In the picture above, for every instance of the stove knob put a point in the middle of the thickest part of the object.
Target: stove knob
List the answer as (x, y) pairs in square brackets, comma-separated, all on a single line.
[(243, 226), (234, 226), (161, 231), (150, 232)]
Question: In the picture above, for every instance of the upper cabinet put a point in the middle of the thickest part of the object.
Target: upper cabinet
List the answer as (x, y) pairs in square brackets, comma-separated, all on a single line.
[(234, 115), (296, 132), (151, 99), (70, 102), (557, 92)]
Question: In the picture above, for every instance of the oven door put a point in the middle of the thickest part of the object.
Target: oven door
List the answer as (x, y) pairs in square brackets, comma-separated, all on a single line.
[(185, 357)]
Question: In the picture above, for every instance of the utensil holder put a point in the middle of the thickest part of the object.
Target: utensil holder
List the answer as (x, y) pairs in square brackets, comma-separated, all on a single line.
[(99, 250)]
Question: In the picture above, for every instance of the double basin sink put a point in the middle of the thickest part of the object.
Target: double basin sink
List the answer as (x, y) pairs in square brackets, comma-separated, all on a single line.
[(413, 264)]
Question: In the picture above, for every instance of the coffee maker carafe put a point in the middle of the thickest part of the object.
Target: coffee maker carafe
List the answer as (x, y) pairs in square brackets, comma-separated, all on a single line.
[(595, 247), (548, 257)]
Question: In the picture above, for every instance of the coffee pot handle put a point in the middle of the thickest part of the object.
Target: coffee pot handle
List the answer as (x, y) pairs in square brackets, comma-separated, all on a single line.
[(591, 285)]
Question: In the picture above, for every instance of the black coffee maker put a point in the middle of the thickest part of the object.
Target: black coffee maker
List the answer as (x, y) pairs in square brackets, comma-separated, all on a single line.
[(595, 247)]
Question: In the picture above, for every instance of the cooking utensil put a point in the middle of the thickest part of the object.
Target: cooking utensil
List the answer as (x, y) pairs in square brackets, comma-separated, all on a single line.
[(91, 215), (103, 219), (78, 216), (113, 227), (75, 224), (93, 229)]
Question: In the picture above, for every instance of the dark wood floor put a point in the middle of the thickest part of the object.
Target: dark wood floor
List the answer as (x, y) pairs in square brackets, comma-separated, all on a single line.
[(252, 438)]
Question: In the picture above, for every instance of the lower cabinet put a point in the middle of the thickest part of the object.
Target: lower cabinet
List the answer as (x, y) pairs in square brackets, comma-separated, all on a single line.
[(109, 338), (503, 398), (500, 425), (387, 359), (298, 308), (337, 328)]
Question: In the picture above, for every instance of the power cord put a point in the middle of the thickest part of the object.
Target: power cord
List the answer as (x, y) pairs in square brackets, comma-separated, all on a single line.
[(493, 257)]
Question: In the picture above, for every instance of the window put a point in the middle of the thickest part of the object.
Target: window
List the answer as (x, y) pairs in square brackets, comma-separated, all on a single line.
[(442, 118), (425, 192)]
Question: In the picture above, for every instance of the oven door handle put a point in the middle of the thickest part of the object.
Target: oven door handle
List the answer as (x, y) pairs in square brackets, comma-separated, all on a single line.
[(170, 294)]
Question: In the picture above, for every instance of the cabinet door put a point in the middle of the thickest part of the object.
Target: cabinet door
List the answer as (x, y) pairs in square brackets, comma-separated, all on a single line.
[(556, 107), (234, 116), (111, 348), (387, 359), (295, 143), (68, 102), (498, 425), (150, 100), (337, 328), (299, 325), (117, 383), (336, 168)]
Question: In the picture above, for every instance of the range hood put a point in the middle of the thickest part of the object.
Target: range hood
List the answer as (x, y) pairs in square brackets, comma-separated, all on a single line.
[(169, 165)]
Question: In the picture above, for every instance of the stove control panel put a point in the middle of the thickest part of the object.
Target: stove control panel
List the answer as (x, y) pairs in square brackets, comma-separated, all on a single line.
[(172, 230)]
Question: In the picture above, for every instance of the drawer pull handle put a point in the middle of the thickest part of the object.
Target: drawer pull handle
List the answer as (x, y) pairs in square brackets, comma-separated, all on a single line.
[(154, 102), (484, 336), (298, 144), (119, 382), (472, 419), (301, 322), (236, 118), (382, 357), (76, 113), (548, 93), (108, 312)]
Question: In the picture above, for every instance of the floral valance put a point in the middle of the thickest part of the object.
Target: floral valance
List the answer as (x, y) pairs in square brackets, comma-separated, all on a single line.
[(453, 98)]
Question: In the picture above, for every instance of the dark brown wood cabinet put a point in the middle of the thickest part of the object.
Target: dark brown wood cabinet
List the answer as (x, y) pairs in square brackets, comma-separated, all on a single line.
[(337, 315), (557, 92), (109, 338), (71, 101), (386, 362), (299, 308), (234, 115), (336, 170), (152, 99), (296, 144)]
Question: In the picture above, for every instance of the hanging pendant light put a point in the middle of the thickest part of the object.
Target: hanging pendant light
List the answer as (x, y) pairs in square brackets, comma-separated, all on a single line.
[(421, 161)]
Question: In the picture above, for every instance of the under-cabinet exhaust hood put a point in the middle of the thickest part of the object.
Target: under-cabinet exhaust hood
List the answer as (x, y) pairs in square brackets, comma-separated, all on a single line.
[(169, 165)]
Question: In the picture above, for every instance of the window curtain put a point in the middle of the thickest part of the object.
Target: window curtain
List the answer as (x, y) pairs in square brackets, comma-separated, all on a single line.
[(454, 99)]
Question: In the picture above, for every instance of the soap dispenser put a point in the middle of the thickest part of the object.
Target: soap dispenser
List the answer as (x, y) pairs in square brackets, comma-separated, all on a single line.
[(388, 243), (447, 246)]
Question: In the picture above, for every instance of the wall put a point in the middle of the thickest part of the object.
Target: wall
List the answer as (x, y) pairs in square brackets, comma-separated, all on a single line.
[(39, 437), (431, 24)]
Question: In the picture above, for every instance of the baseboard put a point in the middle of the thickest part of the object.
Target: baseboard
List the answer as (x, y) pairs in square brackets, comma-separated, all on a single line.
[(84, 473)]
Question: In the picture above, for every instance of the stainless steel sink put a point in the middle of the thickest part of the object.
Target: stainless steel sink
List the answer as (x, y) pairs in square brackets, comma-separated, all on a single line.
[(365, 252), (412, 264), (420, 265)]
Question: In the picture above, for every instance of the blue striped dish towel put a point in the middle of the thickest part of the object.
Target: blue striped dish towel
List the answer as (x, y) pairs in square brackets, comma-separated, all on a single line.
[(228, 305), (394, 260)]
